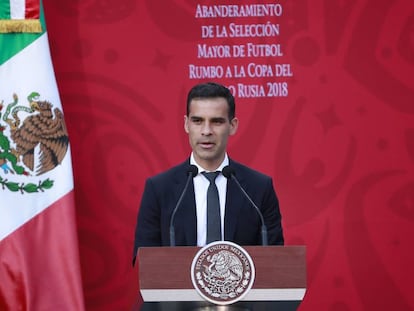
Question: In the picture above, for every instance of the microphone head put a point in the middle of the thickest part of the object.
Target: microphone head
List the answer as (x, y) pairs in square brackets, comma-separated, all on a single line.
[(193, 170), (228, 171)]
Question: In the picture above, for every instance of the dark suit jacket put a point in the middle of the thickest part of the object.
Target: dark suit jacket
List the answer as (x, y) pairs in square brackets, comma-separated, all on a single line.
[(241, 221)]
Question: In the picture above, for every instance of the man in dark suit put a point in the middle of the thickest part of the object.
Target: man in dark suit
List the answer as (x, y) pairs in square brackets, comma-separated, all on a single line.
[(209, 122)]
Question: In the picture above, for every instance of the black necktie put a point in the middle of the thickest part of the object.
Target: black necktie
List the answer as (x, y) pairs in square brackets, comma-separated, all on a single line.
[(213, 209)]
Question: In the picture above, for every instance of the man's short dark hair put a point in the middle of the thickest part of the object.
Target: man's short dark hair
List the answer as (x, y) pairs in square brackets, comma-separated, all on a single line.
[(212, 90)]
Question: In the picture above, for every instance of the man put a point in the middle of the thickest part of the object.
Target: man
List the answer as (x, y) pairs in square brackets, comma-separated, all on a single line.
[(209, 122)]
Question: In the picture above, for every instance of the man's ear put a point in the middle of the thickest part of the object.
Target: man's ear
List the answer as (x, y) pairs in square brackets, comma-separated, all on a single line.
[(186, 124), (234, 124)]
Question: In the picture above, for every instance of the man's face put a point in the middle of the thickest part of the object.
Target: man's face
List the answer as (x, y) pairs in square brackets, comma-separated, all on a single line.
[(208, 127)]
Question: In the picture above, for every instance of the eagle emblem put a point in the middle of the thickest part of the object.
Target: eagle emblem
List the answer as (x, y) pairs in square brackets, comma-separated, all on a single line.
[(222, 272), (33, 141)]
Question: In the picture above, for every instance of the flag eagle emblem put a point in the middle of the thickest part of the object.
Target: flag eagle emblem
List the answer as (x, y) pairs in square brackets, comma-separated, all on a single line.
[(33, 141)]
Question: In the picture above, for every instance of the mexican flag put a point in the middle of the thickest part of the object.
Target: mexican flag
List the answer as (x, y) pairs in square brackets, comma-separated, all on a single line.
[(39, 256)]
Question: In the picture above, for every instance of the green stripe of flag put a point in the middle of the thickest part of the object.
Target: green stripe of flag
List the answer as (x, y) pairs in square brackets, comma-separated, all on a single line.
[(12, 43), (5, 9)]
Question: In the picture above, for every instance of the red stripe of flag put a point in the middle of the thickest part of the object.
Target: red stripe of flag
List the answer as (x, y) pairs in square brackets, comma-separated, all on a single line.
[(39, 262), (32, 9)]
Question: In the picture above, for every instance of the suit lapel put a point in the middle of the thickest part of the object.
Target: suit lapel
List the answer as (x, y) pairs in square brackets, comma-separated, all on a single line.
[(234, 201), (187, 216)]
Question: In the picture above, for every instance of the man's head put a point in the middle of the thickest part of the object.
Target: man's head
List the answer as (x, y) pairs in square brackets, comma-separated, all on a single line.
[(210, 120)]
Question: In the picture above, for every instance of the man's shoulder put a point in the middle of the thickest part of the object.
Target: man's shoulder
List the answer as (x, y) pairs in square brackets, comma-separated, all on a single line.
[(246, 172), (177, 171)]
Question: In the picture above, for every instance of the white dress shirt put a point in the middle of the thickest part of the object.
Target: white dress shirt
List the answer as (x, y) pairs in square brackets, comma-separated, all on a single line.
[(201, 184)]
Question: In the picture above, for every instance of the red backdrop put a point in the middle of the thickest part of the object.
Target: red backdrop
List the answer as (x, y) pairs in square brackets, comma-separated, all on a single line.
[(338, 139)]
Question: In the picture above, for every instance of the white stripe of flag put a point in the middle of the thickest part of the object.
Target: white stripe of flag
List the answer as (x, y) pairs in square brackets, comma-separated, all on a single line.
[(17, 9)]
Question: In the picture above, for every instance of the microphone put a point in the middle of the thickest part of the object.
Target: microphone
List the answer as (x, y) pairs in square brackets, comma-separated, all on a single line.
[(192, 171), (229, 172)]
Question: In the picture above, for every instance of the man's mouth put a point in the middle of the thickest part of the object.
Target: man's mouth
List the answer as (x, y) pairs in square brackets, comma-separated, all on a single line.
[(206, 144)]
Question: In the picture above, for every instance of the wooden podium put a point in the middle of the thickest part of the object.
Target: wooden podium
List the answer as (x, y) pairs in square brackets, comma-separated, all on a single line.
[(165, 279)]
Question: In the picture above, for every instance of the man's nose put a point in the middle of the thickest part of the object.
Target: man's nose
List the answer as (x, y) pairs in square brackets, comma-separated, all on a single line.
[(206, 129)]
